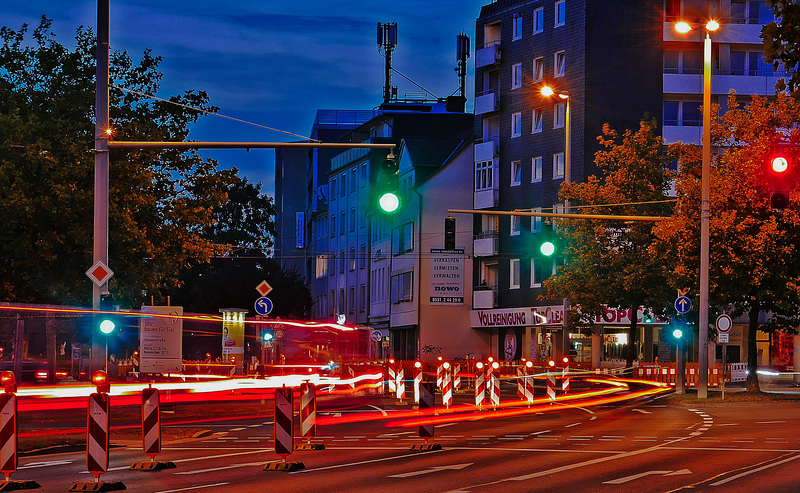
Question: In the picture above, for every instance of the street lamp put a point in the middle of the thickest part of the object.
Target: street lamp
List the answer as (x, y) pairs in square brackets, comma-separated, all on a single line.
[(547, 92), (683, 27)]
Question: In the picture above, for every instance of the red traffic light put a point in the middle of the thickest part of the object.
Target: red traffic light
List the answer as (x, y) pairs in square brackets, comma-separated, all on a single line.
[(780, 178), (779, 164), (100, 380), (565, 359), (9, 382), (551, 363)]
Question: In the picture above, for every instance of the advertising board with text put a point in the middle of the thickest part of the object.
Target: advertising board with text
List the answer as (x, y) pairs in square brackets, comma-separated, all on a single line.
[(161, 339), (447, 277)]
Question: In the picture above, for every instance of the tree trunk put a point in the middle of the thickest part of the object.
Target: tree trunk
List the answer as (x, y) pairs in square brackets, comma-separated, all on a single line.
[(50, 334), (752, 354)]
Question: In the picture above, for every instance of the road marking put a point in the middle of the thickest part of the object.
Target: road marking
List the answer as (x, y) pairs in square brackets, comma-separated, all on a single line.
[(372, 461), (679, 473), (223, 468), (237, 429), (446, 424), (194, 487), (732, 478), (454, 467), (636, 476), (728, 424), (641, 411), (47, 463), (192, 459), (769, 422), (379, 409), (573, 424)]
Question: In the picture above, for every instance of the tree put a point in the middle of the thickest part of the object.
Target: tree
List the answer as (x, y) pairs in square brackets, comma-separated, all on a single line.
[(608, 261), (246, 220), (754, 264), (782, 43), (161, 201)]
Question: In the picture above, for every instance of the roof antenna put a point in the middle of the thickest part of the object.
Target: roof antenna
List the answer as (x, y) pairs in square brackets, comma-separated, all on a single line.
[(387, 39)]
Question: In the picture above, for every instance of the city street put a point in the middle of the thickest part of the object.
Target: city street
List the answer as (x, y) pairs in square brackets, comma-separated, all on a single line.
[(646, 446)]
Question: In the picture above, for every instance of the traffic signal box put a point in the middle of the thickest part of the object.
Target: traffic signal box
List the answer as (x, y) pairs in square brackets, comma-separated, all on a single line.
[(546, 241), (107, 323), (450, 233), (388, 183), (779, 176)]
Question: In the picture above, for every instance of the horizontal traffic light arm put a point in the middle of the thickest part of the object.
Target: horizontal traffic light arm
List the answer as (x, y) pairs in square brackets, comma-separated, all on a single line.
[(562, 215)]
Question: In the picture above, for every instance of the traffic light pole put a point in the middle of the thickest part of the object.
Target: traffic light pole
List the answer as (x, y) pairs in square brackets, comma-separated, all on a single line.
[(557, 215)]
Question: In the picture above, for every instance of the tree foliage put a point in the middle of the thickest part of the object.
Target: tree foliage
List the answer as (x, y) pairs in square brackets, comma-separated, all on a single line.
[(754, 264), (162, 202), (246, 220), (782, 43), (608, 262)]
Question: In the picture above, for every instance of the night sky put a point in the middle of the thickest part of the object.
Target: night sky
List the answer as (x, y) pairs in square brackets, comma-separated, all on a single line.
[(272, 62)]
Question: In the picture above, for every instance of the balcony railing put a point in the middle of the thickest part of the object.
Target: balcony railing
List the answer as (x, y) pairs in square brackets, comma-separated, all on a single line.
[(484, 297), (487, 102), (488, 54), (486, 243)]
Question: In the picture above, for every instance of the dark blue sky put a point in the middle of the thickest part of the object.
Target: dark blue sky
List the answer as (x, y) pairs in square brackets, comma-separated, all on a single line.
[(273, 62)]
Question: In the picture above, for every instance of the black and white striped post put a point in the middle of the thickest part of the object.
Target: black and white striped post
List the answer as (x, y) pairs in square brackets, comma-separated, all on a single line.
[(284, 431), (151, 432), (427, 412), (8, 435)]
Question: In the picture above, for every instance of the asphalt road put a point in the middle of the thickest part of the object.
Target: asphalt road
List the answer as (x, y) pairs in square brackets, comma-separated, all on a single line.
[(640, 446)]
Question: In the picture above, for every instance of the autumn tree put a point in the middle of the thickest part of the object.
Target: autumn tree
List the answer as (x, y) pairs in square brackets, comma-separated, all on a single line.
[(754, 264), (161, 201), (608, 261), (782, 43)]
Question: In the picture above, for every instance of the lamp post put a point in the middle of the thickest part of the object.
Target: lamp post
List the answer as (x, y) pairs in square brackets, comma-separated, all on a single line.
[(705, 209)]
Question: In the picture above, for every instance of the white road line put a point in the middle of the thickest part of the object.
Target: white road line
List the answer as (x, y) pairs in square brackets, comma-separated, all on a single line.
[(192, 459), (379, 409), (733, 478), (223, 468), (769, 422), (32, 465), (573, 424), (636, 476), (193, 487), (237, 429), (337, 466)]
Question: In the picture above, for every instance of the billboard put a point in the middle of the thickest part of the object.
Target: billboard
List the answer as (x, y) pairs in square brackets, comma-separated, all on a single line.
[(161, 339)]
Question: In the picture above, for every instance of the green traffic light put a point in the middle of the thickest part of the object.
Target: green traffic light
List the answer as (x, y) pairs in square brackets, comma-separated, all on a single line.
[(267, 336), (547, 248), (389, 202), (677, 333), (106, 326)]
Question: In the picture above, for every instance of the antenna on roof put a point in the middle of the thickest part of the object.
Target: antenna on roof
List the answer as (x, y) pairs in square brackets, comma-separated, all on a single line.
[(387, 39), (462, 53)]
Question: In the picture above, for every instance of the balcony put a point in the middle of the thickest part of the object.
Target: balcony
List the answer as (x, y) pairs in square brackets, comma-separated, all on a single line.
[(484, 297), (486, 244), (487, 102), (488, 54), (487, 149)]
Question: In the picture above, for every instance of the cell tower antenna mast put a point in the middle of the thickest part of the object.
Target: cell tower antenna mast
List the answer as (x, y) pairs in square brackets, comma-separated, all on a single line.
[(462, 54), (387, 40)]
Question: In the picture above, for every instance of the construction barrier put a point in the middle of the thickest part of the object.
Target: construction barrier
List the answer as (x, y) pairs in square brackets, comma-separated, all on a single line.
[(520, 384), (391, 380), (308, 417), (527, 384), (401, 384), (447, 387), (417, 380), (457, 377), (151, 432), (439, 376), (427, 410), (495, 393), (551, 386), (565, 378), (284, 431), (480, 390)]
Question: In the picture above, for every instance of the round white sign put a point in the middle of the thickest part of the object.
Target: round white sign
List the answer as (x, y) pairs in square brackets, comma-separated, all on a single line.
[(724, 323)]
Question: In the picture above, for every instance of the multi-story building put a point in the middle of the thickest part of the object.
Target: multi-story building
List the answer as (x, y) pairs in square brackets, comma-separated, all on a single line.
[(617, 61)]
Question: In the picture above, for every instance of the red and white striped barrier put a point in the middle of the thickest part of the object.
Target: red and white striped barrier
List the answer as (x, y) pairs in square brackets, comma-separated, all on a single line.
[(391, 380), (151, 422), (457, 377), (439, 376), (417, 380), (565, 378), (528, 382), (8, 434), (352, 374), (495, 394), (480, 386), (447, 387), (520, 384), (97, 434), (401, 384), (284, 430), (427, 410), (489, 383), (551, 386), (308, 417)]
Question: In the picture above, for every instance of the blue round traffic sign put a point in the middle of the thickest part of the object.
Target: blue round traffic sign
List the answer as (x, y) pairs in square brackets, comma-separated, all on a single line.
[(263, 306), (683, 304)]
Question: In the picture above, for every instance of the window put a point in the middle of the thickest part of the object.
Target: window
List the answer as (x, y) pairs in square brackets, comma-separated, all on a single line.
[(352, 219), (353, 179), (333, 302), (558, 208), (352, 259), (483, 176), (515, 221), (538, 20), (363, 216), (341, 301), (513, 273), (342, 185), (536, 222), (364, 179), (682, 113), (671, 62), (322, 266), (516, 173), (536, 169), (333, 224), (561, 12), (402, 287), (362, 296), (538, 69), (560, 60), (558, 165), (342, 222), (559, 114), (516, 124), (363, 260), (333, 192), (342, 262), (541, 269), (537, 120), (403, 239), (516, 76), (516, 27), (351, 305)]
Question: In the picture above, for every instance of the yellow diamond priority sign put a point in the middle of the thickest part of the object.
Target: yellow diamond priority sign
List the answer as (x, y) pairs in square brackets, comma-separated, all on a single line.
[(99, 273), (264, 288)]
